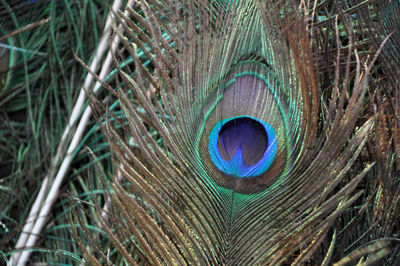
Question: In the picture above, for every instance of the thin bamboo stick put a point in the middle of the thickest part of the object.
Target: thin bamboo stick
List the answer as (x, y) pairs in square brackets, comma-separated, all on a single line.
[(41, 208)]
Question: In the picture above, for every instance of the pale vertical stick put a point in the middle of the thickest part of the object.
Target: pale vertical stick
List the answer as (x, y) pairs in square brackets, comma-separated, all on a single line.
[(36, 222)]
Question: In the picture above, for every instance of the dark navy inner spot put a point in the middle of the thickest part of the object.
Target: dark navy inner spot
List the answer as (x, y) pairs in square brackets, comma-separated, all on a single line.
[(246, 133)]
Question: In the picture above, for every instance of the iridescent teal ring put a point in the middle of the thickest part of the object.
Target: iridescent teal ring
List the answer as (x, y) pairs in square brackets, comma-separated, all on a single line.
[(242, 146)]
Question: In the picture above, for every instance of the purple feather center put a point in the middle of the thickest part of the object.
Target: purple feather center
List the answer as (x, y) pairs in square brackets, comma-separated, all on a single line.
[(246, 134)]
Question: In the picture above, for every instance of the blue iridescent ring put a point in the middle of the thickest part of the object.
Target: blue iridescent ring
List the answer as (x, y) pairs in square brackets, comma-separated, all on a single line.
[(242, 146)]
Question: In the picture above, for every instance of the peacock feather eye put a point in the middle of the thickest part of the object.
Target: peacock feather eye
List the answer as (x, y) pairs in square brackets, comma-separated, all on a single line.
[(245, 140), (242, 146)]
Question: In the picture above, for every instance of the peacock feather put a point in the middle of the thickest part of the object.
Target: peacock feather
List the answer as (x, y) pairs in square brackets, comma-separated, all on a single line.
[(240, 148), (230, 132)]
